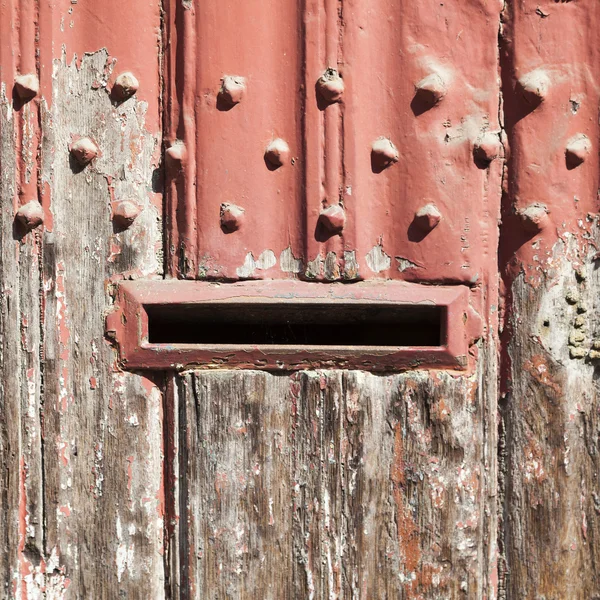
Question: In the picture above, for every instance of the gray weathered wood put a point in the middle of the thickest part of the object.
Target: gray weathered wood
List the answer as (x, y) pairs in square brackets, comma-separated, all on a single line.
[(81, 502), (333, 485), (102, 427), (551, 491)]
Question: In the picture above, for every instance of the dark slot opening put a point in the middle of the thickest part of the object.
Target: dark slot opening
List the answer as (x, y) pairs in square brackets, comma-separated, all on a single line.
[(302, 324)]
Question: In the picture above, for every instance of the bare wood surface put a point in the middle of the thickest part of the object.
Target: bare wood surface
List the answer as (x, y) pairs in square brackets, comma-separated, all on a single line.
[(332, 484)]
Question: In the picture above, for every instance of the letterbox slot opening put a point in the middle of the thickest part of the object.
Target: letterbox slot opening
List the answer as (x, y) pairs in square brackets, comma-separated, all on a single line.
[(302, 324)]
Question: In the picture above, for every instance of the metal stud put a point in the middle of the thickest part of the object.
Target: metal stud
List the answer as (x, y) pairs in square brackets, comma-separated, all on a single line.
[(383, 154), (277, 153), (331, 86), (427, 218), (534, 86), (333, 218), (125, 213), (30, 215), (430, 90), (175, 154), (232, 217), (233, 88), (125, 86), (577, 150), (486, 147), (534, 217), (84, 150), (27, 86)]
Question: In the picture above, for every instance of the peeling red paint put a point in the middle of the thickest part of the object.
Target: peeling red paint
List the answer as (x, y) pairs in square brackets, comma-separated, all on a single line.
[(408, 532)]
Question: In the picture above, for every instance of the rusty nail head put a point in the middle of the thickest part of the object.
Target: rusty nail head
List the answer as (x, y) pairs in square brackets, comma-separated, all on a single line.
[(232, 217), (27, 86), (534, 217), (333, 218), (331, 86), (487, 147), (277, 153), (233, 88), (125, 213), (577, 150), (383, 153), (428, 217), (534, 86), (30, 215), (125, 86), (84, 150)]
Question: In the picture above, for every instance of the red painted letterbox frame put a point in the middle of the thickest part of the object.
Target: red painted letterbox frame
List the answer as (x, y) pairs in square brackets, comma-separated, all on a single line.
[(128, 326)]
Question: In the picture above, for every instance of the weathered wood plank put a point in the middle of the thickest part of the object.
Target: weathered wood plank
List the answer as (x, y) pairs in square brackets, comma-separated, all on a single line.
[(21, 491), (549, 243), (102, 455), (549, 444), (334, 485)]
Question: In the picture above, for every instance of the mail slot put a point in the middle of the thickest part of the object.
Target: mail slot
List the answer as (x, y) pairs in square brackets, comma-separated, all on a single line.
[(378, 326)]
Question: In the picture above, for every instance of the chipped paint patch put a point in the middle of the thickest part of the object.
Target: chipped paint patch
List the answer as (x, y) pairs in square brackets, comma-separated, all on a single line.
[(331, 267), (351, 266), (377, 260), (265, 261), (289, 263), (404, 264), (314, 268)]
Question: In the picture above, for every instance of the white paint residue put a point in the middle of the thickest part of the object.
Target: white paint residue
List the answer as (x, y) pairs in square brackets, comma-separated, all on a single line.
[(314, 268), (351, 267), (404, 263), (378, 260), (289, 263), (265, 261), (125, 553)]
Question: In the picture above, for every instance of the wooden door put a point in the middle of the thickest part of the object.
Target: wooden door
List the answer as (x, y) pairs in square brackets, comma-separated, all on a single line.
[(437, 159)]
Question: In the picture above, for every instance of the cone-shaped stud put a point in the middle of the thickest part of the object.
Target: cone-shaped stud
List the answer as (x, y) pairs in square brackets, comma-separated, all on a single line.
[(486, 147), (175, 155), (430, 90), (577, 150), (534, 217), (331, 86), (277, 153), (30, 215), (233, 88), (383, 154), (84, 150), (27, 86), (427, 218), (333, 218), (125, 86), (535, 86), (232, 217), (125, 213)]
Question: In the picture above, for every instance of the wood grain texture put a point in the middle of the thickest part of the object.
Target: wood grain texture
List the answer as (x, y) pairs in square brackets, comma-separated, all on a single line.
[(334, 484), (548, 447), (81, 507), (21, 502), (102, 428)]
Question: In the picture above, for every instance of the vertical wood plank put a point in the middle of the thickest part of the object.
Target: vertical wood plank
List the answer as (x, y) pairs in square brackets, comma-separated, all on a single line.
[(234, 476), (102, 428), (357, 485), (549, 244)]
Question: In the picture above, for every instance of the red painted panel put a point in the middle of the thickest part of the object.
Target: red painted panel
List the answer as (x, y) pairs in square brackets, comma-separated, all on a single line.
[(551, 106), (396, 158), (256, 46)]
